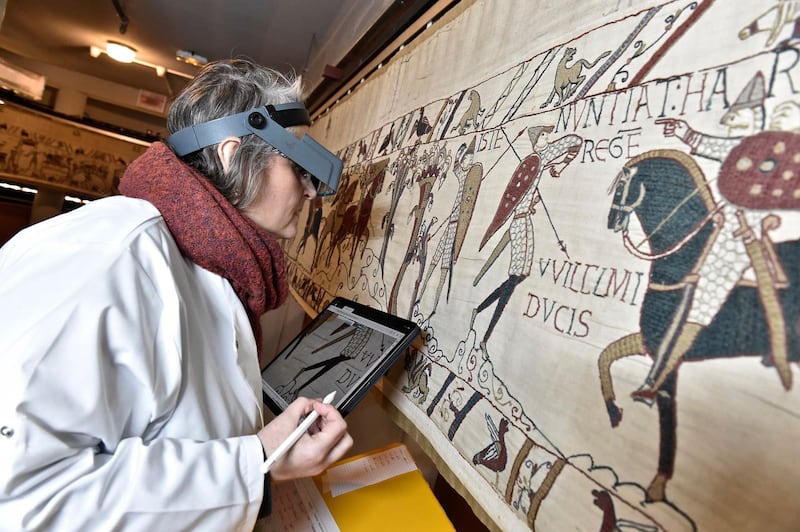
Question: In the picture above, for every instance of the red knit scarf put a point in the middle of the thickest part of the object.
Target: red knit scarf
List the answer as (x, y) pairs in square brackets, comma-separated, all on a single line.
[(210, 231)]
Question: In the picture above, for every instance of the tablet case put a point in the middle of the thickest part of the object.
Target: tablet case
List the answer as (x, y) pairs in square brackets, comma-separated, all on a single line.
[(346, 348)]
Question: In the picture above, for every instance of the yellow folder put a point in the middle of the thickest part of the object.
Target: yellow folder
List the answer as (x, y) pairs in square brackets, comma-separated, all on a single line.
[(400, 503)]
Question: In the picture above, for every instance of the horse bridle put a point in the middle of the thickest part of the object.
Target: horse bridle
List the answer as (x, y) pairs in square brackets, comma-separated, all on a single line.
[(624, 179), (619, 204)]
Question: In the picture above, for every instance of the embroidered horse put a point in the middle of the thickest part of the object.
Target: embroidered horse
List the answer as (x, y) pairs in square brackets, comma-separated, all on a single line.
[(667, 191), (354, 228), (332, 223)]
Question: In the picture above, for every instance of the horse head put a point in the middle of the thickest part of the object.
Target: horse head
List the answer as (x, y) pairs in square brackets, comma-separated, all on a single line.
[(623, 204), (673, 203)]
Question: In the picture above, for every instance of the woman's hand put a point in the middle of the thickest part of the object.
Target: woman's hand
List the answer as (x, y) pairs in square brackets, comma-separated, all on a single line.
[(326, 441)]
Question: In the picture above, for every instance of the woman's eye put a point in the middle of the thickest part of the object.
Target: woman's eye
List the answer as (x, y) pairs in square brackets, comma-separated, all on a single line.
[(300, 171)]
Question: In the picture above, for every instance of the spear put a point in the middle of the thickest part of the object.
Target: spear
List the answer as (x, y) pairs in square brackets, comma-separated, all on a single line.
[(510, 146)]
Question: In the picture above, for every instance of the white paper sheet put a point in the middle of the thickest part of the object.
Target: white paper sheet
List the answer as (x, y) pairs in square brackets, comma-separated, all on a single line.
[(369, 470), (297, 507)]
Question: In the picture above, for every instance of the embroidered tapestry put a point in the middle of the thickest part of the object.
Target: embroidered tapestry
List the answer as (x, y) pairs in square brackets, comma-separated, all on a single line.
[(591, 210), (41, 150)]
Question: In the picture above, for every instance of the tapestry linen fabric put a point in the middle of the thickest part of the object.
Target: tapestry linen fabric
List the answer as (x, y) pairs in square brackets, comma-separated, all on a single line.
[(591, 210), (41, 150)]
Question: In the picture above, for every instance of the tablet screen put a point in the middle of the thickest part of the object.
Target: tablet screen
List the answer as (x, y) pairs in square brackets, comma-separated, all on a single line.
[(345, 349)]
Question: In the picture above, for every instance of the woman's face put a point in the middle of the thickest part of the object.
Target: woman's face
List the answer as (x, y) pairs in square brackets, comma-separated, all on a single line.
[(277, 207)]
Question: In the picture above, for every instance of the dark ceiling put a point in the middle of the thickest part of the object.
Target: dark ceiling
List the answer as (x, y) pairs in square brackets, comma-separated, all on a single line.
[(331, 43), (299, 35)]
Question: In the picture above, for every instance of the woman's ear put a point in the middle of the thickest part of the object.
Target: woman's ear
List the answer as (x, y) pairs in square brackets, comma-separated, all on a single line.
[(225, 150)]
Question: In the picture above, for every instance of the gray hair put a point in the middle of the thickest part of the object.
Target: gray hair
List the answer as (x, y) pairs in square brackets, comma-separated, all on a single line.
[(225, 88)]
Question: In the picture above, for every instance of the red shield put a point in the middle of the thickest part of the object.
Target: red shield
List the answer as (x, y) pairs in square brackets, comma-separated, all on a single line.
[(763, 172), (521, 181)]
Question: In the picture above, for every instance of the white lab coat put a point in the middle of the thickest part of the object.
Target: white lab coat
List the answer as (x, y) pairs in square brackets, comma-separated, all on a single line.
[(129, 381)]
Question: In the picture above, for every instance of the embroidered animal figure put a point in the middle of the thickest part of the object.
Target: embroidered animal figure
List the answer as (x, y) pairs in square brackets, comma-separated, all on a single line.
[(422, 125), (313, 222), (472, 114), (387, 141), (603, 501), (419, 369), (610, 522), (651, 188), (494, 456), (569, 77), (362, 150)]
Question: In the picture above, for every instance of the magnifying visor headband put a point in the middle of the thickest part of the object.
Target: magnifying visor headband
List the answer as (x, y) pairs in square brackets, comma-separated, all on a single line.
[(268, 123)]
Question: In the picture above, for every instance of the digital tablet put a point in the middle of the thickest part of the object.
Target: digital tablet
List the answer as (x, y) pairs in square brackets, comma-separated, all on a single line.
[(345, 349)]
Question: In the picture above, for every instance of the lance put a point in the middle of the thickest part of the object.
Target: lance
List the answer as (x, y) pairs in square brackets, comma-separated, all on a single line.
[(510, 146)]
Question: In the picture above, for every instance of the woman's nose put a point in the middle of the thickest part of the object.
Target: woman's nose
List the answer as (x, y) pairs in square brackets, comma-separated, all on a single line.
[(310, 191)]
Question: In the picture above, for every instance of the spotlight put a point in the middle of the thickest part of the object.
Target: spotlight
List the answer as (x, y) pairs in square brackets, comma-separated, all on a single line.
[(120, 52), (190, 58)]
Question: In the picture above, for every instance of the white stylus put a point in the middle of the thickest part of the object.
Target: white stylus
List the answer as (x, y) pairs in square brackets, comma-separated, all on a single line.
[(301, 429)]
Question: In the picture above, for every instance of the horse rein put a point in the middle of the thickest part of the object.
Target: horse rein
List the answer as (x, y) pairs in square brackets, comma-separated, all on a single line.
[(634, 249)]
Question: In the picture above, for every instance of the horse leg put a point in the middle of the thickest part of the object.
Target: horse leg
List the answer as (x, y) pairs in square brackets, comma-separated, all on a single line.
[(668, 354), (656, 491), (683, 343), (331, 249), (320, 240), (632, 344)]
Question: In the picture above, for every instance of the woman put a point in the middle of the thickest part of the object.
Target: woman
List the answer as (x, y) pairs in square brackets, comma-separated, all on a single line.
[(131, 394)]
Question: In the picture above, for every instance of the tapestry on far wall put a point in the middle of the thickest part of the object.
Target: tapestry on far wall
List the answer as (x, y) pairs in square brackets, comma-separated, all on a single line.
[(41, 150), (591, 210)]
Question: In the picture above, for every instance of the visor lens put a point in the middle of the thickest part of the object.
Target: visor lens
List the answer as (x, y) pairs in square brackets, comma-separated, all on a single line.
[(304, 175), (322, 188)]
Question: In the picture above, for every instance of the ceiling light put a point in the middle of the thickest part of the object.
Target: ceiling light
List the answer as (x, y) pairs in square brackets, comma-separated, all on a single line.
[(190, 58), (126, 54), (120, 52)]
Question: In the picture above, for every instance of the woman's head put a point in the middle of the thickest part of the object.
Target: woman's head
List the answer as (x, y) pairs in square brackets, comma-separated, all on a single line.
[(225, 88), (254, 176)]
